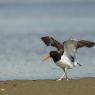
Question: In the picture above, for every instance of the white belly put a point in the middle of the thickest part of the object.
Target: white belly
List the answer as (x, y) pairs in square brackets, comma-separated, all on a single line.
[(65, 62)]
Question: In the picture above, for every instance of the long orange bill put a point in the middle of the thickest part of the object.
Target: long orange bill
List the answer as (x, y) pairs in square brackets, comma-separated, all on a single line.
[(46, 57)]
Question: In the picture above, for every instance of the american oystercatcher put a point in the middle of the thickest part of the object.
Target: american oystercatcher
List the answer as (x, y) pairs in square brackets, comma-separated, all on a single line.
[(65, 55)]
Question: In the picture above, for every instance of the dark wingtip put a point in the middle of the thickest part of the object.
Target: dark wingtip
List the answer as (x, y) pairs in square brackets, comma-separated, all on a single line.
[(41, 38), (91, 45), (45, 40)]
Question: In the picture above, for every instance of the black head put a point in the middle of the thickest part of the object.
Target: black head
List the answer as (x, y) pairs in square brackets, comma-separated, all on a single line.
[(55, 55)]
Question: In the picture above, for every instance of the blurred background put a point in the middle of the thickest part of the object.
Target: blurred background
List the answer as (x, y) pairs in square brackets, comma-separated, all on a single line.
[(24, 22)]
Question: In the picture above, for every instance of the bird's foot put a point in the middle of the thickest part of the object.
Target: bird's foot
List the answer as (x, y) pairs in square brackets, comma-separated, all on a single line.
[(59, 79)]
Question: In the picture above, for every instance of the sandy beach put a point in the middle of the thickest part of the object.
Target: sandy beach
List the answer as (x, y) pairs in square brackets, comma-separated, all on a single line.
[(48, 87)]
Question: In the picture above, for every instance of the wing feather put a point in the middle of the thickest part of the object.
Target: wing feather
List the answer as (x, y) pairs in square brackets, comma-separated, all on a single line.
[(50, 41), (84, 43)]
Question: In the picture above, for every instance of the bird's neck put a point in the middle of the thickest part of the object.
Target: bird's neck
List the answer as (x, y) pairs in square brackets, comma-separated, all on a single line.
[(56, 58)]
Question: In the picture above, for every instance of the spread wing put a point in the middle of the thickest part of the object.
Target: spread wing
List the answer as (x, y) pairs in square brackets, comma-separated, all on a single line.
[(50, 41), (71, 46), (84, 43)]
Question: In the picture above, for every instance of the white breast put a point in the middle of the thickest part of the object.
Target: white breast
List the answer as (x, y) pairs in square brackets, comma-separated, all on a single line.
[(64, 62)]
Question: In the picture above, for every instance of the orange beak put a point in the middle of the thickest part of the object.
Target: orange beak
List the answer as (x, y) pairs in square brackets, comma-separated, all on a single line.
[(46, 57)]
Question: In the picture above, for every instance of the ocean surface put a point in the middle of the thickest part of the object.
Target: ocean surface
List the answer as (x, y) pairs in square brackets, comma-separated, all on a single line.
[(21, 49)]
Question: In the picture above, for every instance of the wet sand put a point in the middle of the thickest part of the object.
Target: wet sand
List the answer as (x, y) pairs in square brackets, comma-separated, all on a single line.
[(84, 86)]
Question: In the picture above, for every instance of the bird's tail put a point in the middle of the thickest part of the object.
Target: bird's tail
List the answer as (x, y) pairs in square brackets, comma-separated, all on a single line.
[(77, 64)]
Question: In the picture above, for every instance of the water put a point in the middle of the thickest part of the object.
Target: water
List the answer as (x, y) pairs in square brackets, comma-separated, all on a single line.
[(21, 49)]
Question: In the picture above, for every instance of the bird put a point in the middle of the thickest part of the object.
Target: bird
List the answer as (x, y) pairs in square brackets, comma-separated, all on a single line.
[(65, 54)]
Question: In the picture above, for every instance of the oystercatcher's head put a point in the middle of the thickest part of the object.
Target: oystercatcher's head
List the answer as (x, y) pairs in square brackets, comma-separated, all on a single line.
[(55, 55)]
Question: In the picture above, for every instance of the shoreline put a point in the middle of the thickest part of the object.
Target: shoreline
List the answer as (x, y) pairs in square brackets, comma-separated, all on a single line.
[(84, 86), (78, 78)]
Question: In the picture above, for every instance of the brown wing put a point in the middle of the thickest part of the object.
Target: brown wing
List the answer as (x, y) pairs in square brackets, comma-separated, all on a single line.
[(84, 43), (50, 41)]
